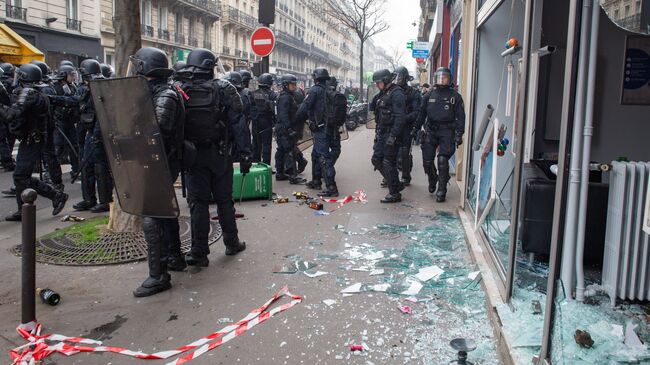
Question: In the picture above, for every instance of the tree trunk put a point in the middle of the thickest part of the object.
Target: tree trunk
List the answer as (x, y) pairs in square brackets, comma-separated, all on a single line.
[(363, 96), (128, 40), (127, 33)]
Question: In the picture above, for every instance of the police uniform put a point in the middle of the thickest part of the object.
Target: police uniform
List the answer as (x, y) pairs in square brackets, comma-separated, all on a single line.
[(6, 140), (65, 105), (413, 100), (390, 113), (263, 120), (285, 162), (443, 114)]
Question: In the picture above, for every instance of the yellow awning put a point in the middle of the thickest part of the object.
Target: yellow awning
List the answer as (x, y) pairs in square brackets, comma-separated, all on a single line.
[(15, 49)]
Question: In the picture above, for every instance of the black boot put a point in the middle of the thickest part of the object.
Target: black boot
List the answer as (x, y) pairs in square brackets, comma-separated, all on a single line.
[(11, 192), (302, 165), (14, 217), (176, 263), (197, 260), (383, 184), (58, 203), (59, 187), (314, 185), (297, 180), (9, 166), (84, 205), (159, 279), (281, 177), (430, 170), (101, 208), (392, 198), (331, 191), (235, 247), (443, 168)]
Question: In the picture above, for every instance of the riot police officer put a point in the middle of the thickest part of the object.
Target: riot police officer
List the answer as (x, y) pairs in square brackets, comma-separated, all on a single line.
[(54, 173), (314, 108), (443, 109), (263, 115), (285, 160), (246, 78), (236, 80), (334, 137), (27, 118), (107, 71), (413, 99), (94, 166), (212, 113), (162, 234), (65, 106), (389, 107), (6, 140), (301, 161)]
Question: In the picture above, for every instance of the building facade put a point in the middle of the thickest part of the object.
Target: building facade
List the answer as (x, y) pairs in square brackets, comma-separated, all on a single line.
[(61, 29)]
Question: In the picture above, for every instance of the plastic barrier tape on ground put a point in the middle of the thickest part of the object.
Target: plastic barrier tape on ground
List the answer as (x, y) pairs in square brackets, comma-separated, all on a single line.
[(40, 346), (359, 196)]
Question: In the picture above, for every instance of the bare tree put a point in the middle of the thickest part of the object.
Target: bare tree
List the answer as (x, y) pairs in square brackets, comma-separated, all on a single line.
[(128, 40), (394, 57), (362, 17)]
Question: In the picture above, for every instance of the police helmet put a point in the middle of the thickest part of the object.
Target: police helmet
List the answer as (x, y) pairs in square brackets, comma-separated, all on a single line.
[(29, 73), (402, 75), (234, 78), (45, 69), (321, 74), (179, 65), (384, 76), (8, 69), (107, 70), (246, 77), (265, 80), (442, 77), (63, 72), (90, 67), (202, 58), (66, 63), (332, 82), (288, 79), (152, 62)]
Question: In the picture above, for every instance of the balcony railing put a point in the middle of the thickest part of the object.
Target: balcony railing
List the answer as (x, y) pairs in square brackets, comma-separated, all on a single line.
[(234, 15), (192, 41), (73, 24), (16, 12), (207, 44), (163, 34), (225, 50), (632, 22), (212, 6), (237, 52), (147, 30), (179, 38), (288, 39)]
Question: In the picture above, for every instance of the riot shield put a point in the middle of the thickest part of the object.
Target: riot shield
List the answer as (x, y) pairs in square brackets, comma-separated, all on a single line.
[(134, 147), (372, 91)]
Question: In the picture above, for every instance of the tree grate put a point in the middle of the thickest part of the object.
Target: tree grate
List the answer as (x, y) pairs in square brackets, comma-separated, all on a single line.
[(111, 248)]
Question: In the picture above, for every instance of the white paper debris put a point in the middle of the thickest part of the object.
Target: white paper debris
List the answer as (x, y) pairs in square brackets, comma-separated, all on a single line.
[(376, 272), (352, 289), (380, 287), (414, 288), (315, 274), (427, 273), (329, 302), (631, 338)]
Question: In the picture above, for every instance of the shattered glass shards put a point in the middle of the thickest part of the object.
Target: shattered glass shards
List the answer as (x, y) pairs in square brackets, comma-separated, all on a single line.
[(294, 266)]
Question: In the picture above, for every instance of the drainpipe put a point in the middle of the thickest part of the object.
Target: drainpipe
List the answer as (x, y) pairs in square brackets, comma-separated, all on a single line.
[(569, 247), (586, 150)]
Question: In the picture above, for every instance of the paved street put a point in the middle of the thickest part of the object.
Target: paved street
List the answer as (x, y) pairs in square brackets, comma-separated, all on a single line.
[(371, 244)]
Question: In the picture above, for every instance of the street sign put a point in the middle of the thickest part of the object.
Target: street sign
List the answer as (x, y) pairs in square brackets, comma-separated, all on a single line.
[(421, 53), (420, 46), (409, 45), (263, 41)]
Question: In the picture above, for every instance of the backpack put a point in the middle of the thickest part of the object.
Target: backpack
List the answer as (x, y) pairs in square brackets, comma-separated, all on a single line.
[(203, 113), (336, 108)]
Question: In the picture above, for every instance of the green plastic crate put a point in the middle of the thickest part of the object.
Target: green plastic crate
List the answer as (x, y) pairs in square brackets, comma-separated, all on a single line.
[(258, 183)]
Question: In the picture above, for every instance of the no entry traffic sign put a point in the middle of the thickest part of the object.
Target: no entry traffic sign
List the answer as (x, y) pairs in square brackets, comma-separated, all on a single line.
[(263, 41)]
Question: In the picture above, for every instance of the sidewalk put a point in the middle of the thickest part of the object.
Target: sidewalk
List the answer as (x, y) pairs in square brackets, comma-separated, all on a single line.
[(352, 246)]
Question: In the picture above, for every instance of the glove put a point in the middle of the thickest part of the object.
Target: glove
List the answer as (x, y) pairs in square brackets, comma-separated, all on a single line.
[(390, 141), (459, 139), (291, 132), (313, 126), (245, 166)]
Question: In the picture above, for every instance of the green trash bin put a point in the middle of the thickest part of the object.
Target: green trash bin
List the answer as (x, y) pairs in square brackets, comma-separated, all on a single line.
[(258, 183)]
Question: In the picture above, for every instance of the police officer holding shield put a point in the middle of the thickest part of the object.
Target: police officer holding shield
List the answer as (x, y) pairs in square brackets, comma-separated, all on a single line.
[(443, 115), (162, 234)]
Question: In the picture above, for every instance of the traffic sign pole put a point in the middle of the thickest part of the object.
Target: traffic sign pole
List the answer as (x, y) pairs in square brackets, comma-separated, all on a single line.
[(266, 60)]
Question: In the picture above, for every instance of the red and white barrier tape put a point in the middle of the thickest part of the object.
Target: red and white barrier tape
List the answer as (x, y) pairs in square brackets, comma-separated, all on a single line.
[(40, 347), (359, 196)]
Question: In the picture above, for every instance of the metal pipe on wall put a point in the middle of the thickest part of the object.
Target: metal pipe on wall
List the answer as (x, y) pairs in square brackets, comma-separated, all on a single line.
[(586, 150), (569, 246)]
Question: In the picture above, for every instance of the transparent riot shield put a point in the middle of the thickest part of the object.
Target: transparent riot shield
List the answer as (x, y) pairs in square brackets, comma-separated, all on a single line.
[(373, 90), (134, 147)]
